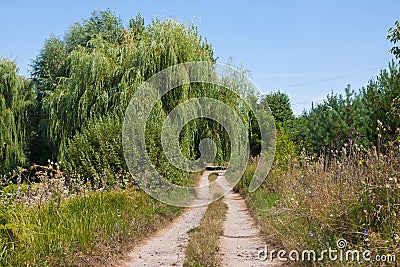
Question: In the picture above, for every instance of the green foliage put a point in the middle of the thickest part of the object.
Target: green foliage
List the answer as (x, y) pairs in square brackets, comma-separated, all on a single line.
[(47, 69), (105, 63), (16, 99), (102, 24), (394, 37), (286, 149), (279, 104), (55, 233), (355, 117), (381, 101), (96, 153), (49, 65), (329, 124), (84, 82)]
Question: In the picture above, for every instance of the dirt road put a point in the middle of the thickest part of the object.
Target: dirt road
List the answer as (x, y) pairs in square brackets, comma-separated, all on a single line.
[(167, 248), (241, 240), (239, 244)]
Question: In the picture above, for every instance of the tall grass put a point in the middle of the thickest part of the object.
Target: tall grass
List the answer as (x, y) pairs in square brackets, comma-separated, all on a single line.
[(352, 194), (80, 230), (51, 224)]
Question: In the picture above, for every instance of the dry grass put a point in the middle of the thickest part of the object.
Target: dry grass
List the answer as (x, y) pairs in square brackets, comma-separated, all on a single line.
[(203, 247), (352, 194)]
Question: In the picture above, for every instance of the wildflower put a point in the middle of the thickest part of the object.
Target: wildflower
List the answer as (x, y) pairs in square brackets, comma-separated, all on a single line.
[(311, 234), (396, 238), (331, 215), (366, 233)]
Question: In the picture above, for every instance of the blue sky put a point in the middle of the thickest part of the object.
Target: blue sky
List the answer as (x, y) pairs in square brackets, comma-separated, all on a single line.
[(306, 49)]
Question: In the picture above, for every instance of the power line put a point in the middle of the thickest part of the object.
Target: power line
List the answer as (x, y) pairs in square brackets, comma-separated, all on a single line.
[(332, 78)]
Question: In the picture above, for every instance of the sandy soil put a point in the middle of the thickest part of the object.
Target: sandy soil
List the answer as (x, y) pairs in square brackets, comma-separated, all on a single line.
[(239, 244), (241, 240), (167, 248)]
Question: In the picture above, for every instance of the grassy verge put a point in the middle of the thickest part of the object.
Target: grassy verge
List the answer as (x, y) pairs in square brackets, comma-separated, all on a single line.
[(85, 230), (313, 203), (202, 250)]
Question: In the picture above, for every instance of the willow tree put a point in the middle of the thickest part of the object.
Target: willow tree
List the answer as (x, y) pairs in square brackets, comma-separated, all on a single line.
[(15, 100), (103, 66), (105, 63)]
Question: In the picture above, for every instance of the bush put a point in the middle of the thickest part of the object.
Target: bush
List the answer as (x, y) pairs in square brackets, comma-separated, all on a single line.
[(96, 153), (352, 194)]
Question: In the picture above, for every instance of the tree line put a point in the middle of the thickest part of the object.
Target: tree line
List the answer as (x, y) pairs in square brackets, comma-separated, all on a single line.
[(71, 108)]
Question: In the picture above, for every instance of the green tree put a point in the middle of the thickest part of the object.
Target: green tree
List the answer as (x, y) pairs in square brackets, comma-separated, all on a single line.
[(48, 68), (16, 99), (330, 124), (105, 64), (103, 24), (394, 37), (84, 94), (49, 65), (381, 101), (279, 103)]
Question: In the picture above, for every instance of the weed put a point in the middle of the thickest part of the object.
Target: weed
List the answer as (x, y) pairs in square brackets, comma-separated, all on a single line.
[(352, 194), (203, 247)]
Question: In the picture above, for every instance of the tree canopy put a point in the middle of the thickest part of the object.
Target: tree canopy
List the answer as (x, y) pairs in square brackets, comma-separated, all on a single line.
[(16, 98), (72, 108)]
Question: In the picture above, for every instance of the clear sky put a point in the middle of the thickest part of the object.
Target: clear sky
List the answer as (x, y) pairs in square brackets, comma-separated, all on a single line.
[(306, 49)]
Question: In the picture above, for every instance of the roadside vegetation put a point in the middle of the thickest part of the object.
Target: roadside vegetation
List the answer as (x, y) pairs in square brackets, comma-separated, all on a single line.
[(49, 224), (203, 247), (336, 175)]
